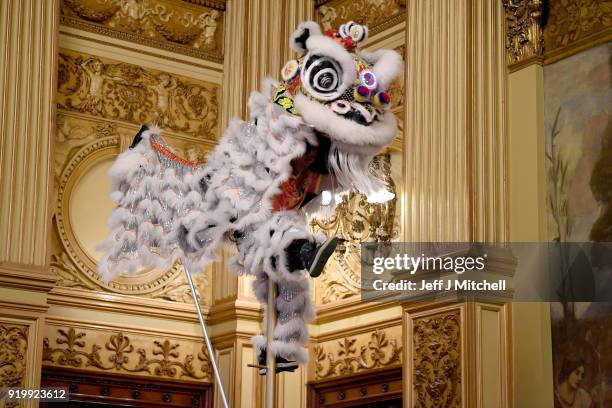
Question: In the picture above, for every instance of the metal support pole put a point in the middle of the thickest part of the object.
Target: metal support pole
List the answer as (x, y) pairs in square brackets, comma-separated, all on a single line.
[(270, 359), (211, 352)]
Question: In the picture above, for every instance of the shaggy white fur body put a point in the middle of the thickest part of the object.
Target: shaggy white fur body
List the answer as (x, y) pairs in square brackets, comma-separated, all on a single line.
[(169, 209), (166, 210)]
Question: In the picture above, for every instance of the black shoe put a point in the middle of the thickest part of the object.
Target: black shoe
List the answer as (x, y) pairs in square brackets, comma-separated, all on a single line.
[(317, 260), (281, 364), (304, 254)]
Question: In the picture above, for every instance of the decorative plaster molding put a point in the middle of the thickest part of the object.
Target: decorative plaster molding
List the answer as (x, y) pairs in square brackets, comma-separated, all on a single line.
[(13, 354), (117, 352), (72, 265), (124, 92), (191, 29), (524, 35), (378, 15), (436, 358), (356, 221), (341, 357)]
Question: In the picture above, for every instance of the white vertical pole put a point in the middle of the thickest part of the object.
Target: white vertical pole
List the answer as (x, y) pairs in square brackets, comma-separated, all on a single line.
[(211, 352), (270, 360)]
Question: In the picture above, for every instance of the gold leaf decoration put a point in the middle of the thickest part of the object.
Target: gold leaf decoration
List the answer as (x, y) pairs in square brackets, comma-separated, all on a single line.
[(524, 38), (574, 25), (118, 91), (163, 359), (379, 352), (177, 26), (437, 361)]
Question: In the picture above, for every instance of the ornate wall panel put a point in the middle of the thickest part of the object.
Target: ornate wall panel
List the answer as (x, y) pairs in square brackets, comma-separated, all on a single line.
[(358, 353), (192, 29), (122, 351), (82, 144), (573, 26), (13, 351), (377, 14), (113, 90), (435, 359)]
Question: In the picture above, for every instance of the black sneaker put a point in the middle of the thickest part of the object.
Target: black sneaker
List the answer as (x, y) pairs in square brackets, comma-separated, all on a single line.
[(317, 259), (281, 364)]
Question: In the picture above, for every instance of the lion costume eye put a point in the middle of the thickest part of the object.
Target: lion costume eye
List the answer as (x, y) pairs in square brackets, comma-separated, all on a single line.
[(322, 76)]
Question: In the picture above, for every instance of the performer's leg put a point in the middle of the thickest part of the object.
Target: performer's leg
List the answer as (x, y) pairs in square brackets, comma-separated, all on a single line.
[(282, 249), (282, 237), (294, 309)]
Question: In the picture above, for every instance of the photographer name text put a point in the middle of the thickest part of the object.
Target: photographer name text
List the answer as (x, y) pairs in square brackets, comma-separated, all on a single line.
[(440, 285)]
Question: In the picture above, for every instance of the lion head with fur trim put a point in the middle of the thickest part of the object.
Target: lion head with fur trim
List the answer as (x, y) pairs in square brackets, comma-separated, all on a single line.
[(340, 90)]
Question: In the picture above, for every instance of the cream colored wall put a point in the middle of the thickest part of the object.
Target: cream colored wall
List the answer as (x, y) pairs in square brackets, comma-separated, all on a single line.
[(527, 190), (532, 354)]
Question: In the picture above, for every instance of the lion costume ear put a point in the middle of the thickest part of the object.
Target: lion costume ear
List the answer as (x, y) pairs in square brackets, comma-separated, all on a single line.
[(299, 37)]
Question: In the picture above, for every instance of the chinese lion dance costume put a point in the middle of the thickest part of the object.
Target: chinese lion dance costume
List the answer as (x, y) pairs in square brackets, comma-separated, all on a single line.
[(315, 131)]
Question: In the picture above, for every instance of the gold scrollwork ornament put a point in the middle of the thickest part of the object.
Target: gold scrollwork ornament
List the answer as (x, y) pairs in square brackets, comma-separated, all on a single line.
[(164, 362), (524, 35), (380, 351)]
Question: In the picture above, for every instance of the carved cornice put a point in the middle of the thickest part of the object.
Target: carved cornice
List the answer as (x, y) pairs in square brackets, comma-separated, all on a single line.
[(343, 357), (113, 302), (572, 26), (191, 29), (13, 351), (524, 35), (117, 352), (25, 277)]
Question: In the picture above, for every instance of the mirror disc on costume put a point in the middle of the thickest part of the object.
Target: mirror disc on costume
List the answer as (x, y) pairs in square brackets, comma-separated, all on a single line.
[(368, 79), (357, 33), (290, 70)]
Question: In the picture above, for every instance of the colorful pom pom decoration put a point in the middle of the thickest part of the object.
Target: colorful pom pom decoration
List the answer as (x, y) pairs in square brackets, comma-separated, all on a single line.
[(361, 93), (382, 99)]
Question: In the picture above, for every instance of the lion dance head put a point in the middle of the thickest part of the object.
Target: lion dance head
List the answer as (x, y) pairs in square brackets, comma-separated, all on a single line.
[(343, 93)]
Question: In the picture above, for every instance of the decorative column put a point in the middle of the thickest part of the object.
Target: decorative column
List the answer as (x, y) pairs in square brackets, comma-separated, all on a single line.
[(256, 45), (456, 152), (28, 52), (455, 121), (437, 200)]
